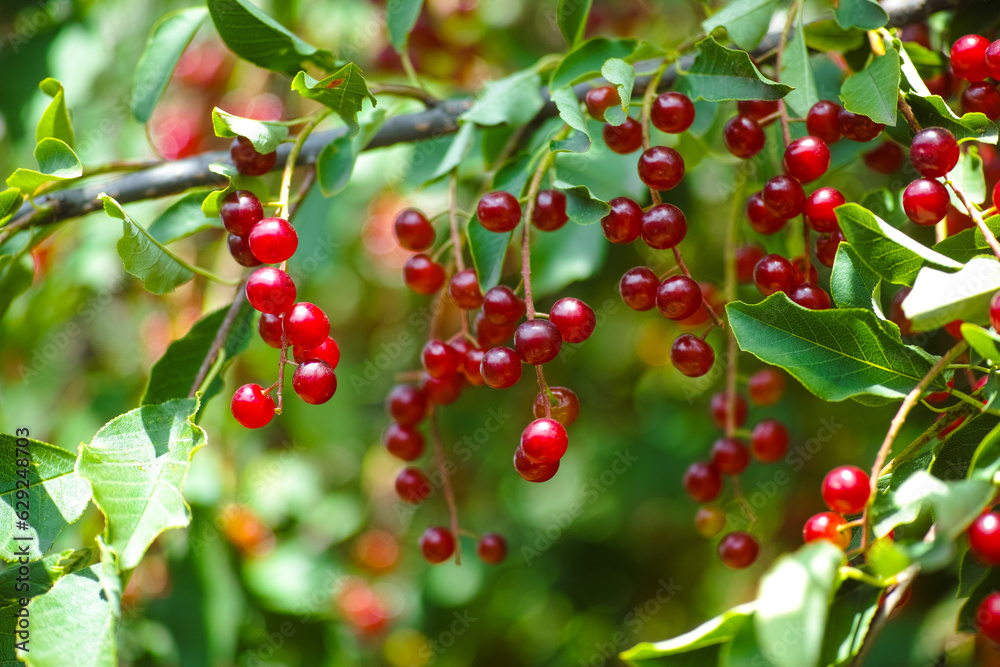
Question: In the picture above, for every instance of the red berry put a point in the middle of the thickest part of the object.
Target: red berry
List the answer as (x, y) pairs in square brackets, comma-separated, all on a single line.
[(248, 161), (767, 386), (661, 168), (544, 441), (719, 407), (968, 57), (857, 127), (822, 121), (744, 138), (464, 290), (240, 210), (273, 240), (784, 196), (444, 391), (533, 472), (996, 196), (672, 113), (492, 549), (916, 32), (574, 319), (826, 247), (810, 296), (251, 406), (678, 297), (550, 210), (600, 99), (886, 159), (270, 290), (982, 98), (499, 211), (709, 521), (925, 202), (489, 334), (307, 325), (537, 341), (439, 359), (702, 482), (807, 159), (762, 219), (423, 275), (472, 365), (501, 368), (934, 152), (239, 248), (502, 306), (314, 382), (270, 328), (403, 442), (623, 222), (738, 550), (819, 209), (995, 312), (625, 138), (730, 456), (437, 544), (663, 226), (564, 406), (988, 617), (407, 404), (769, 441), (709, 296), (826, 526), (638, 288), (412, 485), (846, 489), (993, 59), (941, 84), (984, 538), (746, 258), (757, 109), (327, 351), (413, 230), (691, 355), (773, 274)]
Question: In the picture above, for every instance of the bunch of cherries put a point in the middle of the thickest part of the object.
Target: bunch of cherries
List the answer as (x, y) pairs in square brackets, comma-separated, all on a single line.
[(974, 59)]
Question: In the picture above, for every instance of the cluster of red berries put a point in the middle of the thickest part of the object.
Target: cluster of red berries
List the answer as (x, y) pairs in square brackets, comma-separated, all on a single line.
[(975, 59), (984, 544), (255, 240), (846, 490)]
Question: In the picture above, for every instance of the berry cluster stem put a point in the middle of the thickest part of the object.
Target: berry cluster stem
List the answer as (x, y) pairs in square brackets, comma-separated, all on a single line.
[(793, 12), (449, 493), (456, 238), (293, 157)]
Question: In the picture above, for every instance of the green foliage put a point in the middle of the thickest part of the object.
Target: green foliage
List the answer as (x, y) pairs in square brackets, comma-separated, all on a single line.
[(585, 61), (932, 111), (939, 297), (264, 135), (55, 121), (42, 574), (745, 21), (344, 92), (488, 250), (622, 75), (720, 74), (167, 41), (512, 100), (400, 17), (854, 285), (16, 275), (182, 219), (571, 15), (874, 90), (582, 206), (56, 162), (796, 71), (569, 111), (864, 14)]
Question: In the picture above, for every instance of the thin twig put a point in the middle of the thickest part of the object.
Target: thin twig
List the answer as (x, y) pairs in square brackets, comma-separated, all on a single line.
[(793, 11), (973, 210), (220, 337), (449, 494), (456, 238)]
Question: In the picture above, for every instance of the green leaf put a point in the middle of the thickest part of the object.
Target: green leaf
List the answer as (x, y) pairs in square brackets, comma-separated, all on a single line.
[(969, 178), (265, 136), (569, 111), (848, 621), (234, 181), (488, 250), (746, 21), (934, 112), (719, 74), (986, 459), (42, 574), (335, 165), (16, 276), (835, 354), (969, 242), (721, 629), (460, 145), (167, 41), (854, 285), (582, 206), (970, 573), (55, 121), (400, 17), (10, 201), (571, 16), (864, 14), (985, 343), (911, 77), (873, 91), (829, 36), (953, 459), (147, 452), (182, 219), (938, 297), (585, 61), (513, 100), (344, 91), (56, 162), (793, 602), (256, 37), (56, 496), (890, 253), (143, 256), (796, 70), (622, 75), (955, 504), (571, 253)]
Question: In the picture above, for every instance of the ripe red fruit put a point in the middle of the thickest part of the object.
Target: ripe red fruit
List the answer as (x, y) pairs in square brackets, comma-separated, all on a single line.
[(709, 521), (993, 59), (762, 219), (437, 544), (537, 341), (757, 109), (746, 258), (407, 404), (533, 472), (550, 210), (501, 368), (773, 274), (857, 127), (423, 275), (412, 485), (996, 194), (810, 296), (988, 617), (934, 152), (767, 386), (886, 159), (784, 196), (718, 407), (925, 202), (984, 538), (251, 406), (544, 441), (625, 138), (661, 168), (499, 211), (464, 290), (439, 359), (638, 288), (663, 226), (489, 334), (492, 549), (472, 366), (730, 456), (574, 319), (691, 355), (769, 441), (248, 161), (240, 210), (826, 247), (672, 113), (502, 306), (738, 550), (270, 290), (941, 84), (327, 351), (826, 526), (270, 328), (846, 489), (819, 209), (678, 297), (995, 312), (444, 391), (968, 57), (600, 99), (822, 121), (413, 230), (403, 442), (239, 248), (314, 382), (743, 137), (702, 481), (273, 240), (623, 222), (307, 325), (982, 98), (807, 159), (564, 406)]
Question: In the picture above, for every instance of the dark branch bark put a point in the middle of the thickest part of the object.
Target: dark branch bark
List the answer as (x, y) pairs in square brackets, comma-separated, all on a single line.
[(171, 178)]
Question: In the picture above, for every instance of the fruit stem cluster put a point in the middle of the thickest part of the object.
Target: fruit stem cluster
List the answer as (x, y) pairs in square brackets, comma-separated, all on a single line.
[(449, 493)]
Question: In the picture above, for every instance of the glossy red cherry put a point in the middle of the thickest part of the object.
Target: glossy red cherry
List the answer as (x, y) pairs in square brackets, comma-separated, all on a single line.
[(678, 297), (489, 334), (934, 152), (663, 226), (761, 218), (941, 84), (826, 247), (270, 328), (533, 472), (403, 442), (574, 319), (810, 296), (743, 137), (625, 138), (501, 368), (270, 290), (703, 482), (822, 121), (988, 617), (251, 406), (846, 489), (857, 127), (968, 57), (406, 404), (925, 202), (691, 355), (444, 391), (464, 289), (502, 306), (544, 441), (240, 210), (718, 406), (537, 341), (819, 209), (746, 258), (996, 196), (423, 275), (993, 59), (766, 387), (995, 312), (661, 168), (273, 240), (784, 196), (248, 161), (600, 99), (437, 544), (239, 248), (638, 288), (916, 32), (757, 109), (327, 351), (623, 223), (413, 230), (886, 159), (984, 538), (564, 406), (492, 549), (306, 325), (982, 98), (314, 382), (472, 366), (439, 359), (730, 456), (738, 550), (807, 159), (499, 211), (550, 210), (773, 274), (827, 526), (799, 264), (672, 113), (412, 485), (769, 441), (709, 521)]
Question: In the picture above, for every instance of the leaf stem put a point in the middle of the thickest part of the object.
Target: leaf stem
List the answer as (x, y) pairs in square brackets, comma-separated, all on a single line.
[(449, 493), (793, 12), (293, 156)]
